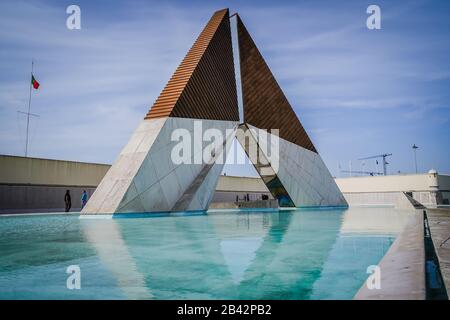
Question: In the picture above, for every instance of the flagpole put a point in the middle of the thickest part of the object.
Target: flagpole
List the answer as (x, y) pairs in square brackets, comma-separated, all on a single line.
[(29, 109)]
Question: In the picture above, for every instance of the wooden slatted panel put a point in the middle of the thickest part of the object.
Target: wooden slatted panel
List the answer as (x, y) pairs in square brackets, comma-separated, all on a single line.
[(265, 105), (204, 85)]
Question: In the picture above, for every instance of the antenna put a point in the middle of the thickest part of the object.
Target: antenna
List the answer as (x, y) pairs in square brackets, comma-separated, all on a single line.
[(415, 156), (384, 156), (350, 167)]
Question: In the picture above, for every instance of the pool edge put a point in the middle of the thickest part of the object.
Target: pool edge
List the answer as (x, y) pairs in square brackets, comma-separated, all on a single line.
[(402, 269)]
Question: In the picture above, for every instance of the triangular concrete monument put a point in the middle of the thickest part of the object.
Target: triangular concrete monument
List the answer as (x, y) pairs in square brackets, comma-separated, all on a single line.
[(201, 96), (201, 93), (301, 177)]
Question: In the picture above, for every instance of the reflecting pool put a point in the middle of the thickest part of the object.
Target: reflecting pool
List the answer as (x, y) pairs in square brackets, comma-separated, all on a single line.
[(300, 254)]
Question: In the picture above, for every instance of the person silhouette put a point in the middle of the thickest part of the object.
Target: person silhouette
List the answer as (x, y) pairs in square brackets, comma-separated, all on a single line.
[(84, 198), (68, 200)]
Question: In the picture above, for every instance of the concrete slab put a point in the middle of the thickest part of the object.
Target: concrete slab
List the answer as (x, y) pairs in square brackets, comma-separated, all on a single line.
[(146, 179), (301, 175), (403, 266)]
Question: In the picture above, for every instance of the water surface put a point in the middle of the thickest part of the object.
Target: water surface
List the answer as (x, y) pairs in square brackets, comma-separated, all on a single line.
[(301, 254)]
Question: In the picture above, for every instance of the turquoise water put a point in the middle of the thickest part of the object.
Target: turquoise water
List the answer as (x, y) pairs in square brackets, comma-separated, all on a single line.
[(302, 254)]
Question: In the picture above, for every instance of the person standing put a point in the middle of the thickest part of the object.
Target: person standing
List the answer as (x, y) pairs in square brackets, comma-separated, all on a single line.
[(68, 200), (84, 198)]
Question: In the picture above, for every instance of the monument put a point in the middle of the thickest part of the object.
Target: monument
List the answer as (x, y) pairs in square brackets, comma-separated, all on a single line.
[(202, 94)]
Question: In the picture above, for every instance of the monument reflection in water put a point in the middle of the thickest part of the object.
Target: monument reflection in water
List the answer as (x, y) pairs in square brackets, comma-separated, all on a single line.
[(318, 254), (299, 254)]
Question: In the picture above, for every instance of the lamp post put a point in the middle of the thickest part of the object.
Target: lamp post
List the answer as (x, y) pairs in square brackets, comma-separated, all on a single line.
[(415, 155)]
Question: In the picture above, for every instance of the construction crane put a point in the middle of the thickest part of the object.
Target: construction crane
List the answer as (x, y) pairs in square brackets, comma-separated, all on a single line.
[(384, 156)]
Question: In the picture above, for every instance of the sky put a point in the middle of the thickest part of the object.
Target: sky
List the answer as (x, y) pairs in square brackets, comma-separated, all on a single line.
[(357, 92)]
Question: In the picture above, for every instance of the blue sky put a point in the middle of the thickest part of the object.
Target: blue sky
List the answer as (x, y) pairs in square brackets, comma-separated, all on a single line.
[(358, 92)]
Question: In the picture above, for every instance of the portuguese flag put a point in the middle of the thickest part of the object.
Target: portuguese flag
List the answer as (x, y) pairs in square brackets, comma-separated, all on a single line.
[(34, 82)]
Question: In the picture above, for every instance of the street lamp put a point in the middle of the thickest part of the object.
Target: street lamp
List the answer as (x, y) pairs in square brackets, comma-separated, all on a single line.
[(415, 156)]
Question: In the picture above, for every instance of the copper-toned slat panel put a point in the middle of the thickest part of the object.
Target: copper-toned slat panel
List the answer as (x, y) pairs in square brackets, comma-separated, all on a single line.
[(265, 105), (204, 85)]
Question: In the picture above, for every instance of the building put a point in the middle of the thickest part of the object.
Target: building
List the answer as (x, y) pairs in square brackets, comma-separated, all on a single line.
[(39, 185), (430, 189)]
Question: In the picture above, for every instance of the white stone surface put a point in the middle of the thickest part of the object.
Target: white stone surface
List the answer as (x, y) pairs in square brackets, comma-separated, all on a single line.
[(145, 179), (303, 174), (117, 187)]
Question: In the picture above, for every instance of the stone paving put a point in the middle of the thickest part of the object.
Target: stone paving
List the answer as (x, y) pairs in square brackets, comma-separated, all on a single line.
[(439, 222)]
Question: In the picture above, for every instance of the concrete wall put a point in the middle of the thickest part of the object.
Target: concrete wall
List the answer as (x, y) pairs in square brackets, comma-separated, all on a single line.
[(39, 198), (430, 189), (39, 185), (444, 182), (372, 198), (230, 196), (241, 184), (393, 183), (229, 187), (21, 170)]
